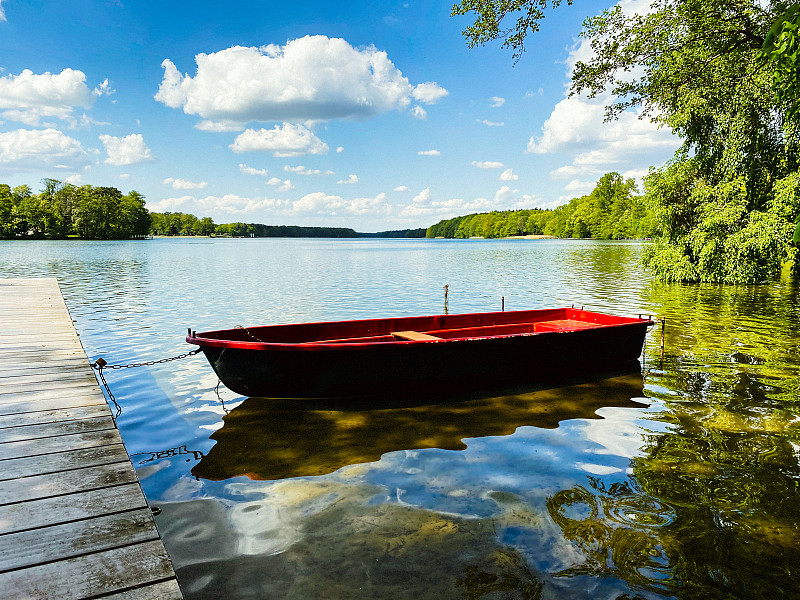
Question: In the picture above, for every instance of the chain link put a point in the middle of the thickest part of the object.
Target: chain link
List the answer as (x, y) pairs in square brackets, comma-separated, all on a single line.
[(104, 365)]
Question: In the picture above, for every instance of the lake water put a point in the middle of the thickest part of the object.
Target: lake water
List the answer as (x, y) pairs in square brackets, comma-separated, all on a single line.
[(679, 480)]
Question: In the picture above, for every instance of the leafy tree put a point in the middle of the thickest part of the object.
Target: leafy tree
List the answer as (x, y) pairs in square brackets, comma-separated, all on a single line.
[(135, 220), (723, 76), (6, 211)]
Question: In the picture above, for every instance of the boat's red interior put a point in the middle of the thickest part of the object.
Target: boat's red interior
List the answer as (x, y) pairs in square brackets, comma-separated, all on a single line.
[(440, 326)]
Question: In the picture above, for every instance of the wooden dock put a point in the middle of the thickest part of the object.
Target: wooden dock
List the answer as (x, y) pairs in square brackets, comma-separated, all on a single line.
[(74, 522)]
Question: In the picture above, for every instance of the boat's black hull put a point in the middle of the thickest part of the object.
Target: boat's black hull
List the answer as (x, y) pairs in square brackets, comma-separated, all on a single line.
[(390, 368)]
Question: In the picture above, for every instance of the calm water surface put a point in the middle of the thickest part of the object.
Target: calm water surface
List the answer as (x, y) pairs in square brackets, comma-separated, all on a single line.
[(676, 480)]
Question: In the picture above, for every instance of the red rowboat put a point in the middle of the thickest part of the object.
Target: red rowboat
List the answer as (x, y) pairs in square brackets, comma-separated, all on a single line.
[(385, 356)]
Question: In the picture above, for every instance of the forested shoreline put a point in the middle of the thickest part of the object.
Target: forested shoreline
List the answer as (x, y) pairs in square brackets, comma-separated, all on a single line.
[(62, 210), (611, 211)]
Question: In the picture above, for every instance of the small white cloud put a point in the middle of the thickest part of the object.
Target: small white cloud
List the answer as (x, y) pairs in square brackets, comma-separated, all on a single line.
[(487, 164), (491, 123), (429, 93), (26, 150), (423, 197), (339, 150), (496, 101), (2, 12), (245, 170), (419, 113), (429, 153), (401, 188), (282, 185), (124, 176), (86, 121), (282, 140), (183, 184), (74, 179), (508, 175), (350, 179), (301, 170), (129, 150), (104, 89)]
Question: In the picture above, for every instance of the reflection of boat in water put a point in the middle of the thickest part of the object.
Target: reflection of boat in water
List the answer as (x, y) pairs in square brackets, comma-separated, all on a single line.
[(279, 438), (376, 356)]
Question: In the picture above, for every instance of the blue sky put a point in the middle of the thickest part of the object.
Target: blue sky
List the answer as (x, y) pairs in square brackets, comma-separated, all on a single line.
[(371, 115)]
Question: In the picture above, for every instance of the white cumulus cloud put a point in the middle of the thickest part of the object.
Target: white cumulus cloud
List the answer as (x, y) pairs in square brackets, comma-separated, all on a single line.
[(26, 150), (314, 77), (29, 98), (245, 170), (491, 123), (419, 113), (350, 179), (429, 153), (488, 164), (425, 205), (301, 170), (322, 203), (496, 101), (219, 206), (282, 185), (429, 93), (282, 140), (401, 188), (184, 184), (508, 175), (128, 150), (104, 89)]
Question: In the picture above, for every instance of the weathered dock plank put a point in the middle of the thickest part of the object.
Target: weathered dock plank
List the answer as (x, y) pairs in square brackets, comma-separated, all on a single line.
[(37, 546), (72, 507), (65, 425), (91, 575), (43, 464), (56, 415), (74, 522)]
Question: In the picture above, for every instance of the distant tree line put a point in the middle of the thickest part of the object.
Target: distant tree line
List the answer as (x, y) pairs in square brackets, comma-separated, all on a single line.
[(187, 224), (259, 230), (397, 233), (611, 211), (63, 210)]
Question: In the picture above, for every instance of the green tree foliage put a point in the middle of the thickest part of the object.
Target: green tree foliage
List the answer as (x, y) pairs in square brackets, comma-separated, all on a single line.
[(61, 210), (170, 223), (610, 211), (723, 76), (258, 230)]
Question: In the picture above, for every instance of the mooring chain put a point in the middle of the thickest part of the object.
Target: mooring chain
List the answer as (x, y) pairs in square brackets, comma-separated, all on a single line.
[(101, 364)]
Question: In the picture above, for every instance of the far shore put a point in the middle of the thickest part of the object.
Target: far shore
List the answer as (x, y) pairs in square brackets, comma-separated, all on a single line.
[(510, 237)]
